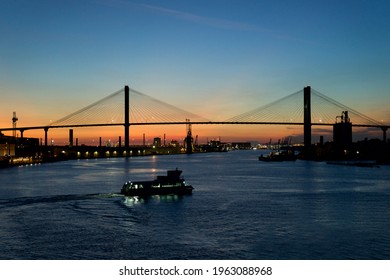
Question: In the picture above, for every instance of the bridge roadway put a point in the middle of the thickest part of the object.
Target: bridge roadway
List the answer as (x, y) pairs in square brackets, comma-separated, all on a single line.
[(46, 127)]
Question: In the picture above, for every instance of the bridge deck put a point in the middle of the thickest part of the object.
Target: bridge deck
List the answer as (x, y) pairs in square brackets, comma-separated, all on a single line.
[(183, 123)]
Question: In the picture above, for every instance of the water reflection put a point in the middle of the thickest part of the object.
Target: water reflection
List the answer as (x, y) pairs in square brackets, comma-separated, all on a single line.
[(240, 208), (131, 201)]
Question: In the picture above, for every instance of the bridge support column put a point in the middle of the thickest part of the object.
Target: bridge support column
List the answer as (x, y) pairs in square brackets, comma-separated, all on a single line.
[(384, 129), (127, 120), (46, 129), (45, 152), (307, 117)]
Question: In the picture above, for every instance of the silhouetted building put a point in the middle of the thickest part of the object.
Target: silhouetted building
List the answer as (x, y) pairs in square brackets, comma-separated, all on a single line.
[(342, 131), (157, 142), (7, 145), (15, 146)]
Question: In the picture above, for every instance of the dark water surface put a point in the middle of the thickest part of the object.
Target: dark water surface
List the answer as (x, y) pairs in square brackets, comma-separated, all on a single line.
[(240, 209)]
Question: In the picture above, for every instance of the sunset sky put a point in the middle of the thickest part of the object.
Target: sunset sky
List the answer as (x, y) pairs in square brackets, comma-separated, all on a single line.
[(214, 58)]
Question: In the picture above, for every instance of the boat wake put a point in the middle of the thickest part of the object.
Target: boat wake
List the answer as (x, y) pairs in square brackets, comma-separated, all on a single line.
[(25, 201)]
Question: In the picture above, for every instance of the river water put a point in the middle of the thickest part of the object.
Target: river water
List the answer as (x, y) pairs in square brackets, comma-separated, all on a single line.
[(241, 208)]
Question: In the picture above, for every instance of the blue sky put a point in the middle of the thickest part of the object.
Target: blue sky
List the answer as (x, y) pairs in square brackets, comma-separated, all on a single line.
[(214, 58)]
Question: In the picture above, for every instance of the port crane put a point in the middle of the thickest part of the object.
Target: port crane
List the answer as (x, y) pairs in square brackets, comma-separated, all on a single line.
[(189, 140), (14, 120)]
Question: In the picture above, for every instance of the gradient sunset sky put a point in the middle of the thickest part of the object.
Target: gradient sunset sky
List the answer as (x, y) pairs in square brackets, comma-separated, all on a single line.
[(214, 58)]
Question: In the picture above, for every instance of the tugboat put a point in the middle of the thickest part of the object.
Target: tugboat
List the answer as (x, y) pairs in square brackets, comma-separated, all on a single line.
[(172, 183)]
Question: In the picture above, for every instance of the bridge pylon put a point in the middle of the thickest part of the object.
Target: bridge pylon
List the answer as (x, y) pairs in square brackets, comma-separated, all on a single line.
[(307, 117), (127, 119)]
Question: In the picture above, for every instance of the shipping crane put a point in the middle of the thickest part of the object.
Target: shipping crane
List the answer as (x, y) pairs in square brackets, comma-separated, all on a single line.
[(14, 120), (189, 140)]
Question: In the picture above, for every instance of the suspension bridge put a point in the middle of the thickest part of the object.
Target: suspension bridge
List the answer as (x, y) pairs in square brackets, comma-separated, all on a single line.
[(128, 107)]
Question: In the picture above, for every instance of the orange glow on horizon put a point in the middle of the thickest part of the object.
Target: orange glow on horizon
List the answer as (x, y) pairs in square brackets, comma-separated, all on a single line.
[(256, 134), (204, 133)]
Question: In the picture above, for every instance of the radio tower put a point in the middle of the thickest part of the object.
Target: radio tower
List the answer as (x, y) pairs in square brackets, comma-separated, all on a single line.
[(14, 120)]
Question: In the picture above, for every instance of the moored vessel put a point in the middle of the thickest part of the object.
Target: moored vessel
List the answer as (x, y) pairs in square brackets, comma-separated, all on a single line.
[(279, 156)]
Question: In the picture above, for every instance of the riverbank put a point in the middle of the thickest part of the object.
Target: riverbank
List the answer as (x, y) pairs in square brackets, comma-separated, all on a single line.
[(64, 153)]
